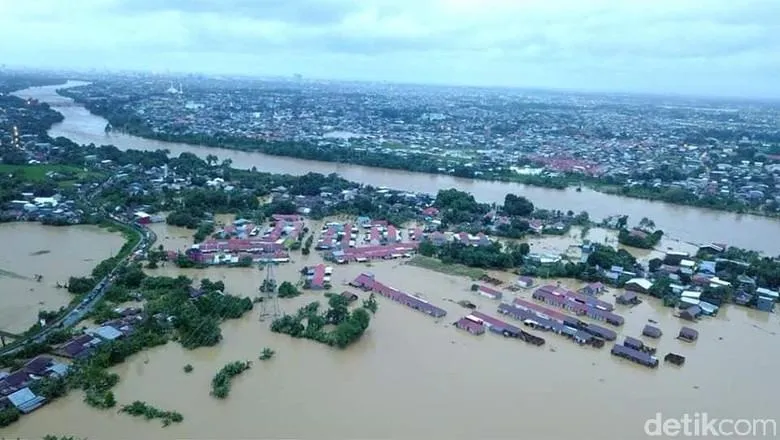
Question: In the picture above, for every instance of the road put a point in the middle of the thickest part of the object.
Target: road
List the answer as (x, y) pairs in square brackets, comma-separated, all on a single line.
[(77, 312)]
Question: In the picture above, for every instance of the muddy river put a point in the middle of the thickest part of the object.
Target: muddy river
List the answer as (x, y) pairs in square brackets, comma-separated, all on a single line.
[(414, 377), (688, 223)]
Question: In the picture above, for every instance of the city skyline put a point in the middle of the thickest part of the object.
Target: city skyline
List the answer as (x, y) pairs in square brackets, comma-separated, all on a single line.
[(597, 45)]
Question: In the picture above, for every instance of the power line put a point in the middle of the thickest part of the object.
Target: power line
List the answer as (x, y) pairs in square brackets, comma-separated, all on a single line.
[(270, 298)]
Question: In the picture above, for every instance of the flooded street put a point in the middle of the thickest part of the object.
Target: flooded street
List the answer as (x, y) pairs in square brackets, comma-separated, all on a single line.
[(687, 223), (56, 253), (415, 377)]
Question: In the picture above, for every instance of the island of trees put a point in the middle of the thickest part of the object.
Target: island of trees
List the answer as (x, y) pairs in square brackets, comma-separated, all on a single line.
[(309, 322), (220, 384)]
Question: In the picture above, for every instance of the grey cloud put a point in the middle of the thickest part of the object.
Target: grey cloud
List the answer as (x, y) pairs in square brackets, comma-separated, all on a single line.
[(302, 12), (559, 43)]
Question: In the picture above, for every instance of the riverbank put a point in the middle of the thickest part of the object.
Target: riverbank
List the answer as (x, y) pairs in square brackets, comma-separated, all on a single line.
[(690, 224), (419, 163)]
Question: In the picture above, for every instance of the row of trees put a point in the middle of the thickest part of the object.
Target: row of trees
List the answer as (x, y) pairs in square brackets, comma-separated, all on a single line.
[(143, 409), (493, 256)]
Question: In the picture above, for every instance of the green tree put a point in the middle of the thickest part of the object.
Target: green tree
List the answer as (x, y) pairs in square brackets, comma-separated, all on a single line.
[(288, 290), (371, 304), (518, 206), (339, 310)]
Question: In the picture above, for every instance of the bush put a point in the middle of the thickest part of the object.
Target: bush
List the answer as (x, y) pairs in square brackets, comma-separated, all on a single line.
[(288, 290), (220, 384)]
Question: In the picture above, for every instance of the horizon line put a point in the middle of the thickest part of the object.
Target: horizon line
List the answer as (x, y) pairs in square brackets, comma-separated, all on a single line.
[(292, 77)]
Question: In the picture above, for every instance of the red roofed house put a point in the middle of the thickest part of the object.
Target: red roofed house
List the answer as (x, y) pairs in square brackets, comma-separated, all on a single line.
[(318, 278), (489, 292)]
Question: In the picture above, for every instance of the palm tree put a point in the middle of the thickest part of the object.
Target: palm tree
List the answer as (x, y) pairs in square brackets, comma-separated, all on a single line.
[(266, 354)]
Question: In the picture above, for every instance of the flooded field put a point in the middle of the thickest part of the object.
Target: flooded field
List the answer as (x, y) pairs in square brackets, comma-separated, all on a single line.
[(415, 377), (55, 253), (569, 244)]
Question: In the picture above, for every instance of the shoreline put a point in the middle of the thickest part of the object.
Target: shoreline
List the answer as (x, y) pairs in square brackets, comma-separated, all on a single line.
[(681, 218), (562, 183)]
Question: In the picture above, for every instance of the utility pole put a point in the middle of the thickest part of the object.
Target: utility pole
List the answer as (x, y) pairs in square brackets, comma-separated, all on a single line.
[(269, 294)]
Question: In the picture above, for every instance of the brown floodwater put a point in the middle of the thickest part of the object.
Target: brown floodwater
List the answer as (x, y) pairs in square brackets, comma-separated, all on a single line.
[(569, 244), (414, 377), (692, 224), (57, 253)]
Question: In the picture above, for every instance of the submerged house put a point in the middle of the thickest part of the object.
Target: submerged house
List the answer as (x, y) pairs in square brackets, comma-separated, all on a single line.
[(640, 285), (318, 277), (579, 304), (765, 304), (524, 282), (691, 313), (766, 299), (593, 289), (652, 332), (489, 292), (688, 334), (471, 325), (349, 296), (628, 298), (675, 358), (637, 356), (26, 401), (367, 282), (500, 327)]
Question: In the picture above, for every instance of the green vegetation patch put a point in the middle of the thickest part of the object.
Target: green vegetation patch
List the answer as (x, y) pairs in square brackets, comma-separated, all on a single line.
[(309, 323), (64, 174), (142, 409), (220, 384), (436, 265)]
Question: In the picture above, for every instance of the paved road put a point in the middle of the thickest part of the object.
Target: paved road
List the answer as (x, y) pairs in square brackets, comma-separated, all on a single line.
[(79, 311)]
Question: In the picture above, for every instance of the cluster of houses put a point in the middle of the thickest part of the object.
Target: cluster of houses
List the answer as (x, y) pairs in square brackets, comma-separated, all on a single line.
[(703, 274), (245, 240), (84, 345), (52, 209), (438, 238), (578, 303), (15, 387), (477, 322), (582, 303), (367, 282), (539, 317), (369, 253), (364, 241), (365, 232)]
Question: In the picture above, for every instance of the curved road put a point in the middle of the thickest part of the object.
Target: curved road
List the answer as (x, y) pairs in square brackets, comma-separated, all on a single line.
[(77, 312)]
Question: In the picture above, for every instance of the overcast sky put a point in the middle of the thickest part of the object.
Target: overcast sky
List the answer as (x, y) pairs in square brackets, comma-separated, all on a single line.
[(710, 47)]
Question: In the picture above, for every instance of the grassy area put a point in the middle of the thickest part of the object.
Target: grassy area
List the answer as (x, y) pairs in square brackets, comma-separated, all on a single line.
[(38, 173), (449, 269), (131, 236)]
